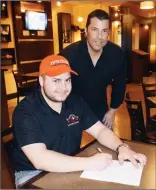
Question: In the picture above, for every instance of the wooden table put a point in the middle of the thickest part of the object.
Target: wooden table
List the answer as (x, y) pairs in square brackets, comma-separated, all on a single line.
[(72, 180), (149, 80)]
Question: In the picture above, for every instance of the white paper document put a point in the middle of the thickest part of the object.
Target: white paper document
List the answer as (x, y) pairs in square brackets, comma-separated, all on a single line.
[(124, 174)]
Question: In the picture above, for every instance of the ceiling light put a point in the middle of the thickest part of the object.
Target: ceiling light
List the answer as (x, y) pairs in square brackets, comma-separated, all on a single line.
[(147, 5), (116, 14), (146, 27), (22, 10), (58, 3), (116, 23), (80, 19)]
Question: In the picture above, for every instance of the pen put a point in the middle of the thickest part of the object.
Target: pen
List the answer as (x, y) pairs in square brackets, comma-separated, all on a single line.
[(99, 149)]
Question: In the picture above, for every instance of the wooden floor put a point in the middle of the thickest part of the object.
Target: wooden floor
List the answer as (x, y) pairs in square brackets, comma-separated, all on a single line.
[(122, 122)]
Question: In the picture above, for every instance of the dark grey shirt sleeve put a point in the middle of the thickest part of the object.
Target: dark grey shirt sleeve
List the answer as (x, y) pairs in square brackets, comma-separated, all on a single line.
[(26, 127)]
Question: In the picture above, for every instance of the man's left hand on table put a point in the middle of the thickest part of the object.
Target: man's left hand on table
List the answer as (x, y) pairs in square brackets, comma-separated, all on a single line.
[(128, 154)]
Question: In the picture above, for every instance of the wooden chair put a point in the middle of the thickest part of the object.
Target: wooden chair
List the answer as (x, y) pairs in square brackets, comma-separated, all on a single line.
[(138, 129), (8, 181), (149, 90), (24, 84)]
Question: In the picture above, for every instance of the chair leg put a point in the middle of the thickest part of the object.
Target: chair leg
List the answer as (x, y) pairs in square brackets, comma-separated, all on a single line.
[(17, 98)]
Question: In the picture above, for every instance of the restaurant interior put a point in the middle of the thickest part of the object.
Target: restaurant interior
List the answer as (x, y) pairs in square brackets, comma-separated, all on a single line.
[(25, 41)]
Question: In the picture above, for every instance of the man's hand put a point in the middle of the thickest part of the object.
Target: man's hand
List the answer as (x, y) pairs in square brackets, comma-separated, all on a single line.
[(99, 161), (128, 154), (109, 117)]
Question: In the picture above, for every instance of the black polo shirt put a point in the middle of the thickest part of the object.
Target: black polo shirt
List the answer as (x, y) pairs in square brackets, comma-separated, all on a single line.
[(35, 122), (92, 81)]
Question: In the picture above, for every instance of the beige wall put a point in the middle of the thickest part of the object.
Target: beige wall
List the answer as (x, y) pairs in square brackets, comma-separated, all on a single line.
[(116, 34), (84, 10), (55, 9)]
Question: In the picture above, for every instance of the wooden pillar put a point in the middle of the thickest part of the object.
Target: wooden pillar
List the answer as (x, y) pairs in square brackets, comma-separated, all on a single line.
[(126, 38), (4, 106)]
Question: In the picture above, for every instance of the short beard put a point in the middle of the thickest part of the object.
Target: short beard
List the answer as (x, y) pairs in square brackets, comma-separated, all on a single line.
[(52, 98), (95, 50)]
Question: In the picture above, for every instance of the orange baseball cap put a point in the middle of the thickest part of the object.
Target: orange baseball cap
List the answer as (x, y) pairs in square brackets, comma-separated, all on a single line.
[(54, 65)]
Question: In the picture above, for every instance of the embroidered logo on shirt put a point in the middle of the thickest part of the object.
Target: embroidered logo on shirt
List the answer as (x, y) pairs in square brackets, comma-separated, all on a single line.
[(72, 119)]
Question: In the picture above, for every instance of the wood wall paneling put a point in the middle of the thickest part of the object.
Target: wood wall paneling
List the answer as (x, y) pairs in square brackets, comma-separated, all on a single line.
[(144, 35), (30, 67), (126, 39), (4, 9), (33, 6), (5, 52), (140, 68), (34, 50), (64, 29), (32, 45), (4, 112)]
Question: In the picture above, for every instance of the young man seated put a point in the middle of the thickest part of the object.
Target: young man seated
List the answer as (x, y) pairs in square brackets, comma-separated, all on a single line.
[(48, 126)]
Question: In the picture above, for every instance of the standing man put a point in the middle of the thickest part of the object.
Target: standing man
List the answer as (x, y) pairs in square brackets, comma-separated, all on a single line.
[(98, 62), (48, 126)]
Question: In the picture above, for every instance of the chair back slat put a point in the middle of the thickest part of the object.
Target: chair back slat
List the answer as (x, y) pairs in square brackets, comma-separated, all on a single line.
[(134, 108), (149, 90), (24, 84)]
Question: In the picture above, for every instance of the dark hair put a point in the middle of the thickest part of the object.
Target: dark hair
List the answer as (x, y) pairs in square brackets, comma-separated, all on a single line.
[(98, 13)]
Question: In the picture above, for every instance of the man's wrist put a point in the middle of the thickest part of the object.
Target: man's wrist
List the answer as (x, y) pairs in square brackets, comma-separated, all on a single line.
[(113, 110), (122, 145)]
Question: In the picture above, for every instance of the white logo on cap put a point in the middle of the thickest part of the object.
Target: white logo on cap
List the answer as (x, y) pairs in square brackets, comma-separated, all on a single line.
[(58, 62)]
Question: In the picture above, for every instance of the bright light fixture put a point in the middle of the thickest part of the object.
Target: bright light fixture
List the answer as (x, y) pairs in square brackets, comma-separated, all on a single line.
[(147, 5), (80, 19), (116, 14), (22, 10), (146, 27), (116, 23), (58, 3)]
